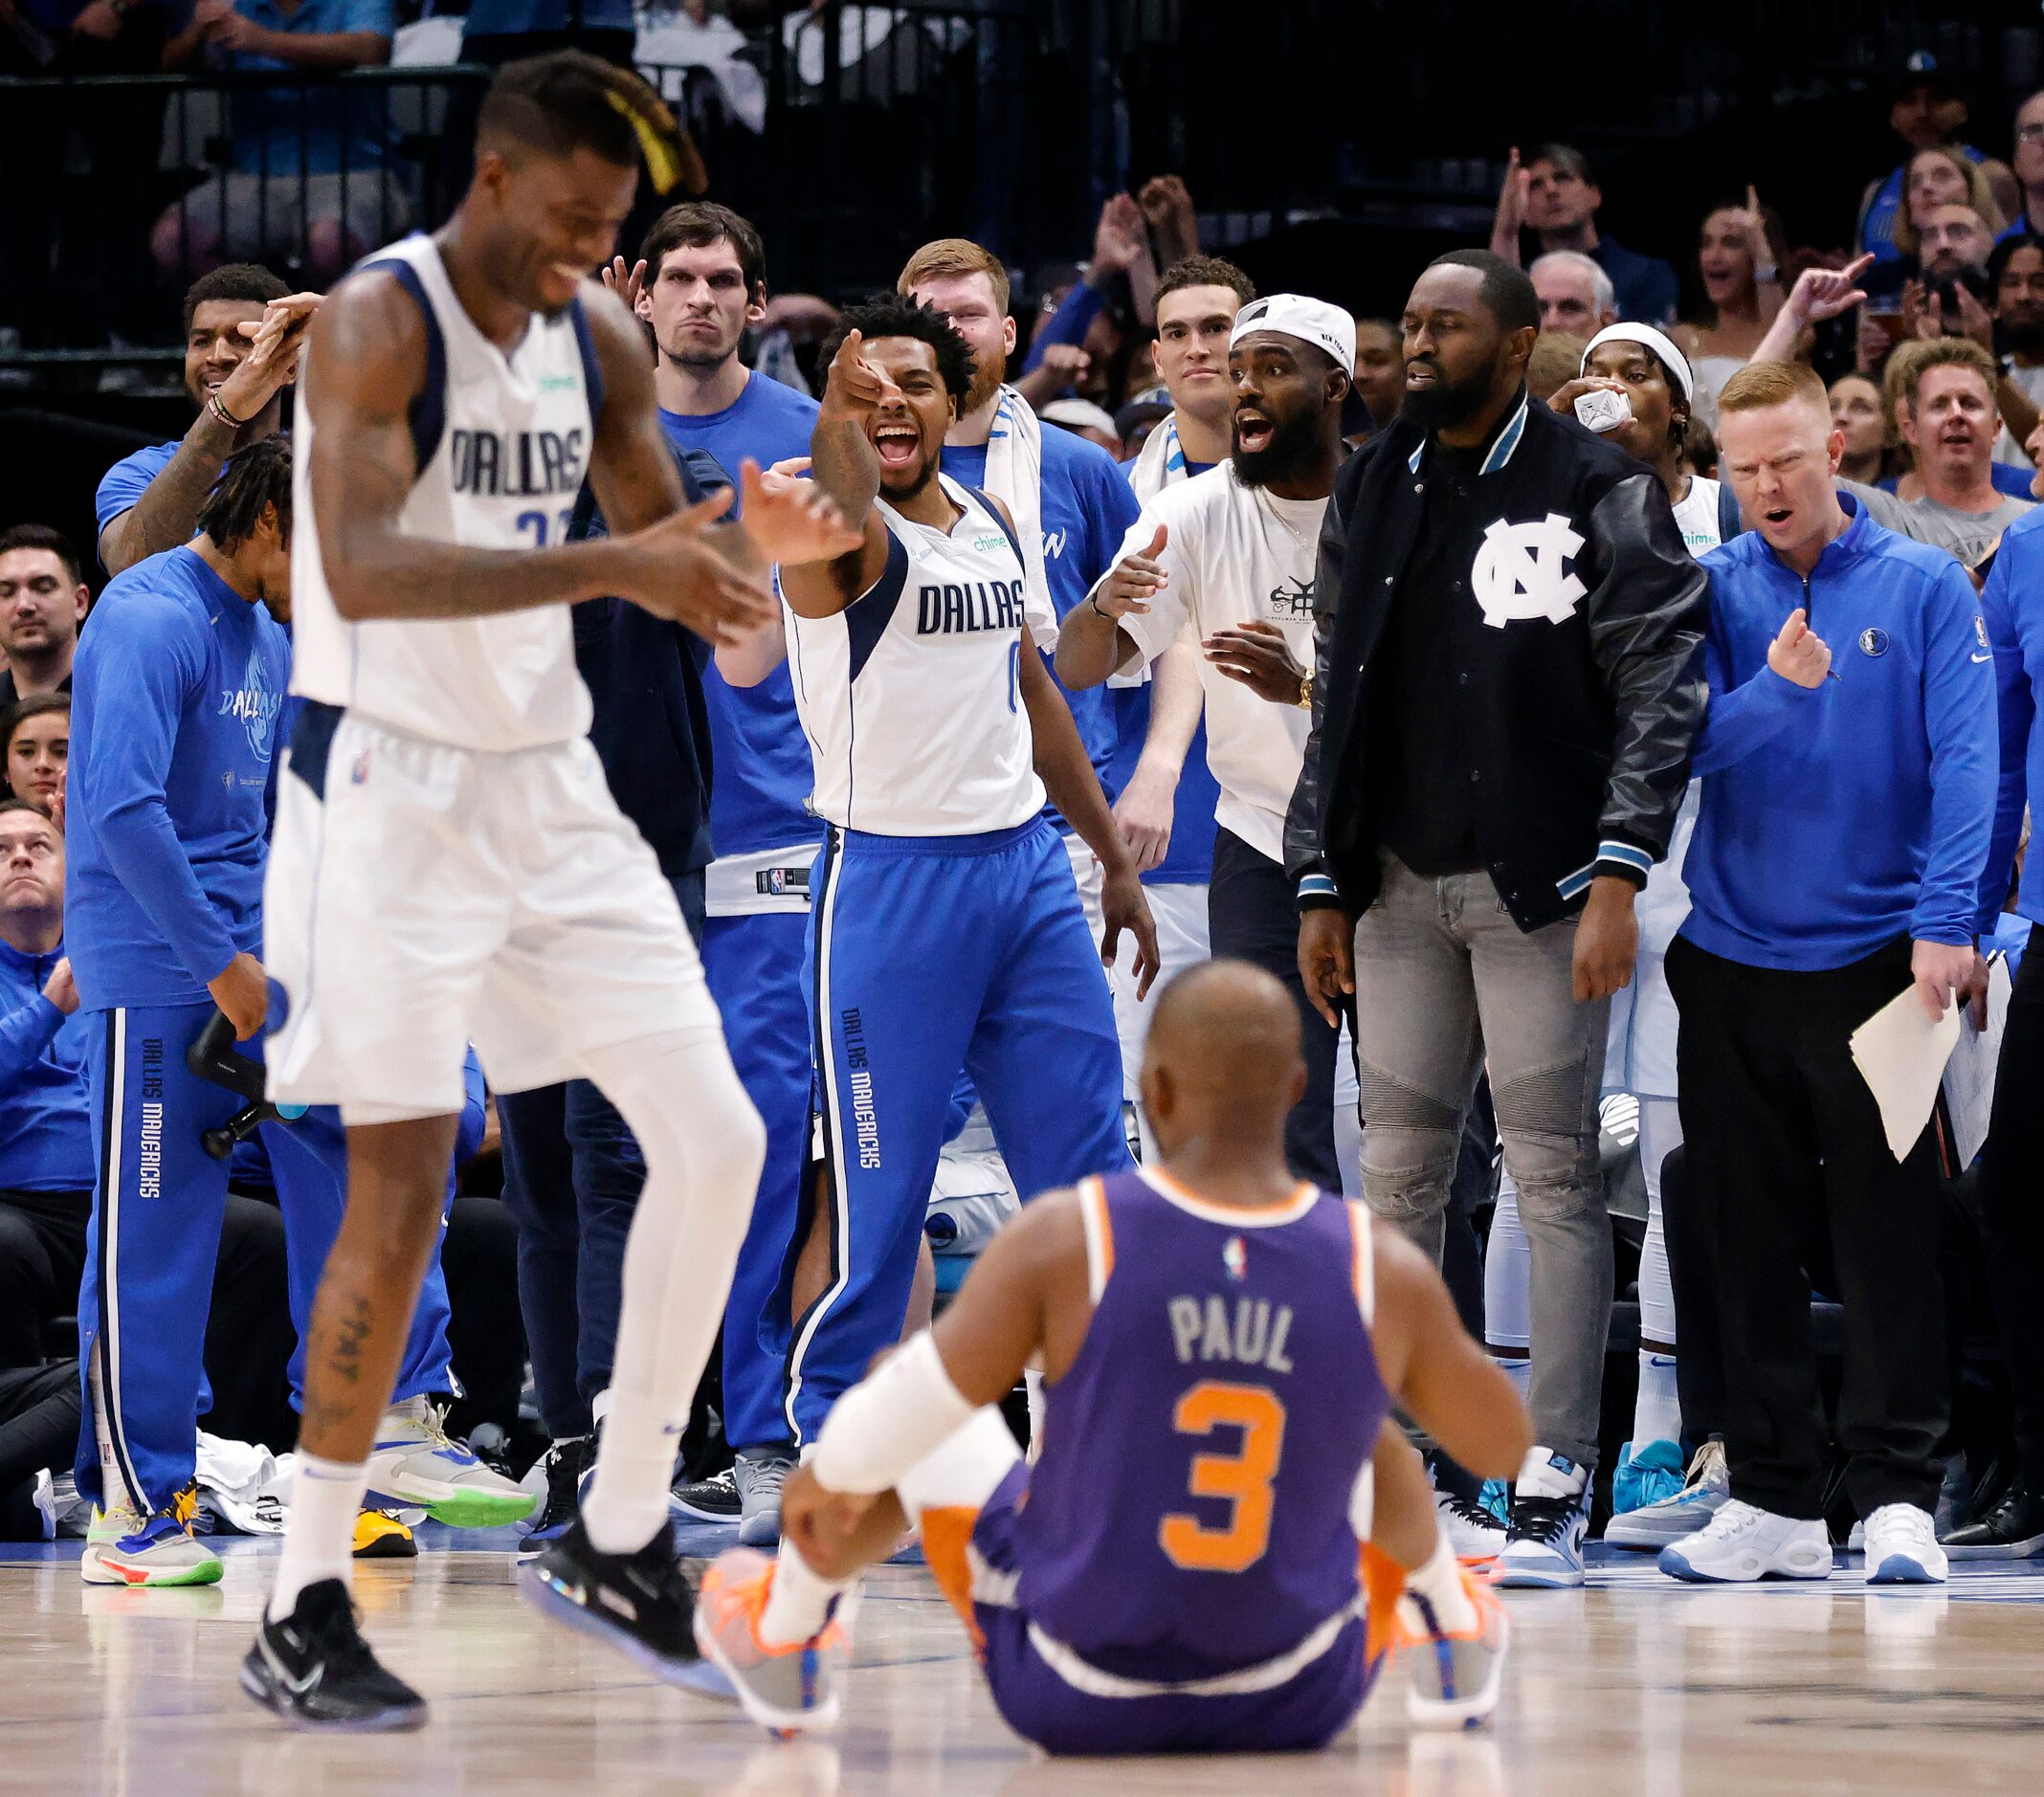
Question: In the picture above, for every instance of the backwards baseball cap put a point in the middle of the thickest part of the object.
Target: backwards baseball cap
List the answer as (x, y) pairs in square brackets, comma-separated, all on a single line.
[(1311, 321), (1661, 344)]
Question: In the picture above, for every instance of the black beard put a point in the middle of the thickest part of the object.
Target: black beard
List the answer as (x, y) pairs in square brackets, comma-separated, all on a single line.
[(2025, 338), (1447, 402), (922, 479), (1294, 447)]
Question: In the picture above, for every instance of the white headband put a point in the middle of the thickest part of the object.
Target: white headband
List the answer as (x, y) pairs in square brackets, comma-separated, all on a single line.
[(1311, 321), (1661, 344)]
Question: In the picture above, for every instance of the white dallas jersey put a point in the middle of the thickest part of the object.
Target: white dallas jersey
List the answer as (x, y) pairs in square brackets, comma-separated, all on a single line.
[(911, 694), (502, 443)]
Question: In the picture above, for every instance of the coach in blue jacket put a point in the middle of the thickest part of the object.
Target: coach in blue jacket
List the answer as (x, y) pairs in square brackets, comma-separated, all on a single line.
[(1849, 758)]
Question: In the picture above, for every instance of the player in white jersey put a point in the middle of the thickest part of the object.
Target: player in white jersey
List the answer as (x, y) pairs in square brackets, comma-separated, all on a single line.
[(947, 932), (448, 862)]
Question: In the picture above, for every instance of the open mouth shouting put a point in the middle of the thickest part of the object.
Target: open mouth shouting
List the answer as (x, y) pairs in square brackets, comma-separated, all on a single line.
[(1252, 429), (896, 444)]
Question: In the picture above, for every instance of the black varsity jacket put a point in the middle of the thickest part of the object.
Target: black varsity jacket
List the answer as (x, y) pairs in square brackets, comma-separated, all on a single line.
[(1580, 650)]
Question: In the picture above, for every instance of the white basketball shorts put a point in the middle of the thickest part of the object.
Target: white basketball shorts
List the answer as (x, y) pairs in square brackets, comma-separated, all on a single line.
[(421, 897)]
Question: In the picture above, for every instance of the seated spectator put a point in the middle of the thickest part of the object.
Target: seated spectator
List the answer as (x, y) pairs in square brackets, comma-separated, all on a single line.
[(1380, 369), (1556, 360), (44, 600), (311, 181), (1575, 294), (1739, 259), (2015, 288), (1084, 418), (1936, 178), (34, 750), (1928, 113), (2027, 158), (1945, 413), (1554, 197), (1859, 414)]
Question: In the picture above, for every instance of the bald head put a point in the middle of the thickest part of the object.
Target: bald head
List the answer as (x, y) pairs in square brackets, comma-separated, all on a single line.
[(1223, 1053)]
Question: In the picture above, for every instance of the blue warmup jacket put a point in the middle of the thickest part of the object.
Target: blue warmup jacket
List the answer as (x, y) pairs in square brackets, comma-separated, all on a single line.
[(1838, 818), (174, 710), (2013, 608), (44, 1126)]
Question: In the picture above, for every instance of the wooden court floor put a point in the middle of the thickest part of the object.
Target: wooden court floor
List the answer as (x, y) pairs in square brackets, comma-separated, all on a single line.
[(1632, 1686)]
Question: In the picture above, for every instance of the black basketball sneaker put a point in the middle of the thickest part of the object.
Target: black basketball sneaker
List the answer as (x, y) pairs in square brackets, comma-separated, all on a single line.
[(640, 1603), (315, 1669)]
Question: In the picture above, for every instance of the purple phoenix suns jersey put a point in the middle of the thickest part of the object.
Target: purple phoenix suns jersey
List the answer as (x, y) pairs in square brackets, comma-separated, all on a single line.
[(1190, 1512)]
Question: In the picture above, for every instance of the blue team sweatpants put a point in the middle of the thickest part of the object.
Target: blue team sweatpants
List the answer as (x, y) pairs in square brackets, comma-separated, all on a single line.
[(754, 966), (930, 955), (154, 1235)]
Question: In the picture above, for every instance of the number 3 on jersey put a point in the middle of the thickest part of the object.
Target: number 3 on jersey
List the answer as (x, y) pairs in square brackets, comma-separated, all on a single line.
[(1243, 1478)]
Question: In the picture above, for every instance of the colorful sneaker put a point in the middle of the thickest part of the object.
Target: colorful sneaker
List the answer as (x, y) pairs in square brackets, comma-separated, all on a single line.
[(1476, 1536), (415, 1463), (565, 1468), (1702, 1495), (761, 1473), (1653, 1475), (382, 1535), (315, 1669), (639, 1603), (1550, 1509), (1903, 1547), (712, 1499), (1743, 1544), (124, 1547), (1455, 1677), (788, 1690)]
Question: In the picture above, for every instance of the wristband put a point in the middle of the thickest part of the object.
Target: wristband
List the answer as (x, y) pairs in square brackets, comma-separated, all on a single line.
[(897, 1415), (1093, 599), (221, 412)]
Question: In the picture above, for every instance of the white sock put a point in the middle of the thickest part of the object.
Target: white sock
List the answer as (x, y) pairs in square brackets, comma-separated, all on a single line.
[(114, 1493), (1440, 1582), (1657, 1411), (1540, 1477), (627, 1502), (320, 1532), (798, 1603), (1518, 1369), (703, 1144)]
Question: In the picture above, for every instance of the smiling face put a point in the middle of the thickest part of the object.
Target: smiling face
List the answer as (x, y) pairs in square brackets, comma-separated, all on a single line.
[(215, 347), (969, 301), (699, 305), (1722, 257), (549, 221), (36, 756), (31, 865), (1779, 460), (1952, 426), (907, 427)]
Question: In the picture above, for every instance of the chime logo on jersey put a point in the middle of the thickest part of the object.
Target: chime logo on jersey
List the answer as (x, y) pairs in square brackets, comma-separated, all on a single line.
[(517, 464), (954, 608), (1521, 571)]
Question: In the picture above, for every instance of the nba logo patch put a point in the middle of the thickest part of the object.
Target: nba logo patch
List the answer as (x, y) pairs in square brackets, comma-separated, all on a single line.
[(1234, 1258), (1873, 641), (359, 775)]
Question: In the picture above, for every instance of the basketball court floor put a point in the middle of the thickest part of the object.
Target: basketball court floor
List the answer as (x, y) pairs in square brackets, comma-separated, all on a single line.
[(1633, 1686)]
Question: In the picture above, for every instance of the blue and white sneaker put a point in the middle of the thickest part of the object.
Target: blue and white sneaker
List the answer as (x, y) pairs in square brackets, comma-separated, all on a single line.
[(1650, 1477), (124, 1548), (1903, 1547), (1654, 1525), (1551, 1509), (416, 1463), (1743, 1544)]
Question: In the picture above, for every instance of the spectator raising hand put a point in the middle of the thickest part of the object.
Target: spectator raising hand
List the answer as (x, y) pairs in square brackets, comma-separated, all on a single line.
[(1174, 225)]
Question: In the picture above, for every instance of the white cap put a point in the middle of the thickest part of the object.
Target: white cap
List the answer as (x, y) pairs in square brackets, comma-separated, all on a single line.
[(1078, 414), (1659, 342), (1311, 321)]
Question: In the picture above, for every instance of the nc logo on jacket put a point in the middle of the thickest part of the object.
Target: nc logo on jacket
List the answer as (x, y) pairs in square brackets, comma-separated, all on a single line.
[(1521, 571)]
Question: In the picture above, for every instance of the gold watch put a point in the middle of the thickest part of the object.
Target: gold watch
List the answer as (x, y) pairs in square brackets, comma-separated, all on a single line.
[(1304, 701)]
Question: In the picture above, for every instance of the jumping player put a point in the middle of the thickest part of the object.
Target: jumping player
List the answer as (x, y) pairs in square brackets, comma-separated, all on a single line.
[(1239, 1339), (947, 933), (448, 864)]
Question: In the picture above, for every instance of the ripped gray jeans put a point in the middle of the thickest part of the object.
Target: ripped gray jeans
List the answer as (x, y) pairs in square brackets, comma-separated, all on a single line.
[(1446, 982)]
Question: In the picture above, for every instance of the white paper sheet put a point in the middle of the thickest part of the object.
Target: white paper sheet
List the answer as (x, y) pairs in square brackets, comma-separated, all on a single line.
[(1900, 1053), (1969, 1074)]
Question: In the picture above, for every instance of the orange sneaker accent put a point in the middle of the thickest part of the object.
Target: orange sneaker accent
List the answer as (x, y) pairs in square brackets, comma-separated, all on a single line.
[(946, 1534), (1384, 1582)]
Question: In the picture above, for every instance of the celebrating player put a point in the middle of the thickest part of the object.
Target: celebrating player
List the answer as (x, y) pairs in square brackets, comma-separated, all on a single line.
[(947, 930), (1239, 1339), (448, 862)]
